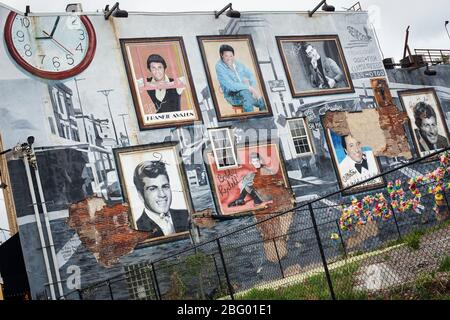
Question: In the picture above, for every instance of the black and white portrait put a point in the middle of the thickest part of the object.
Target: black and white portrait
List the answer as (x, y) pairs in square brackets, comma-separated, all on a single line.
[(426, 119), (314, 65), (154, 185)]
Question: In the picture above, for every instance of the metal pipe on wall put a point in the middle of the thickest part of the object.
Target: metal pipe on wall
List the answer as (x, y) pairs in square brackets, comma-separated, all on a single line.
[(49, 231), (39, 227)]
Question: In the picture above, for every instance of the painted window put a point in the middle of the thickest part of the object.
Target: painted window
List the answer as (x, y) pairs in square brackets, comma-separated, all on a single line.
[(52, 125), (223, 148), (300, 136)]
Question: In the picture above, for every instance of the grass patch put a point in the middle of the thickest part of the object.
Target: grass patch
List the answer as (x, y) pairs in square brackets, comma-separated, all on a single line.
[(412, 240), (314, 288), (423, 285), (427, 286), (444, 265)]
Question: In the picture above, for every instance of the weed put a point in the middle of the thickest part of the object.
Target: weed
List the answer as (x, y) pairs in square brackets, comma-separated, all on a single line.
[(412, 240), (444, 265)]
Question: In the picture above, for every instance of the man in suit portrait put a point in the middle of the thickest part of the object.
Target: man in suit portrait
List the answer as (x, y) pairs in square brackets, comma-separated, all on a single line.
[(358, 165), (165, 92), (153, 186), (325, 73), (427, 133)]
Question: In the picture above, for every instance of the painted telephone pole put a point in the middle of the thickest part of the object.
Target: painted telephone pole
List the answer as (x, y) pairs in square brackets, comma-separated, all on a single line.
[(106, 94)]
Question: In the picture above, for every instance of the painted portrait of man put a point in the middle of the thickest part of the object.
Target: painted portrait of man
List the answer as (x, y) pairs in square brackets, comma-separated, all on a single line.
[(237, 81), (160, 81), (155, 187), (234, 76), (354, 162), (358, 165), (257, 183), (315, 65), (427, 121), (427, 131), (324, 72)]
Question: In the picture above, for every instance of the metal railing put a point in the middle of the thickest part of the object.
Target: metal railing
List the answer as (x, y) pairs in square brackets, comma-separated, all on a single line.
[(355, 7), (434, 56)]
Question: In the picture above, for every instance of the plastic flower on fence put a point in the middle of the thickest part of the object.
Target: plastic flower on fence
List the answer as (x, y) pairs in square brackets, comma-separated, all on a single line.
[(382, 207), (334, 236), (365, 211), (371, 207)]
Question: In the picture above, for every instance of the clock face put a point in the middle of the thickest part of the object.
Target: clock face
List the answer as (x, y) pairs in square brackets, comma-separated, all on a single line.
[(52, 47)]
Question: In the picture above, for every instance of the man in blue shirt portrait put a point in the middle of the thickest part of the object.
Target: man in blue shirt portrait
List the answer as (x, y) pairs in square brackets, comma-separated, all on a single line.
[(237, 82)]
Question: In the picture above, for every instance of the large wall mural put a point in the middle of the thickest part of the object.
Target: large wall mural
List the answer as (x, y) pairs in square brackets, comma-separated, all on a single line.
[(165, 125)]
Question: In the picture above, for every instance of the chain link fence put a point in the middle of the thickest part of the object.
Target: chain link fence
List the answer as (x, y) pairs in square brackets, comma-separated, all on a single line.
[(308, 253)]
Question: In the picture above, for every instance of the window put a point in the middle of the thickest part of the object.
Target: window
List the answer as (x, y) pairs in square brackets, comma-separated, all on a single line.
[(52, 125), (223, 148), (300, 137), (60, 104)]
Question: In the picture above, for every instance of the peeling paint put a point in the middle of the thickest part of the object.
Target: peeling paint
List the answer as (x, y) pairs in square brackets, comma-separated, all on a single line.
[(104, 231), (387, 135)]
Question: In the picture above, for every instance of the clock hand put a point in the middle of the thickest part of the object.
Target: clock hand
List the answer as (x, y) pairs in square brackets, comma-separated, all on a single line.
[(58, 43), (39, 38), (50, 36), (54, 27)]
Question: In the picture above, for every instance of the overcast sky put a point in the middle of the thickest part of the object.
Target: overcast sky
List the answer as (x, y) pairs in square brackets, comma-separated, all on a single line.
[(391, 17)]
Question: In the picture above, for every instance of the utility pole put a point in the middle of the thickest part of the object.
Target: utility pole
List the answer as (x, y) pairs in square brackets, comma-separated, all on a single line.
[(81, 107), (106, 94), (124, 125)]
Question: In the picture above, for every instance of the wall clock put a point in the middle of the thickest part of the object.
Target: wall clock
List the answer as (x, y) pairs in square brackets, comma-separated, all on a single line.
[(51, 47)]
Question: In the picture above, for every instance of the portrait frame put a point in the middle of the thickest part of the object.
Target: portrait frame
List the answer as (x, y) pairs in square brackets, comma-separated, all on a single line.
[(183, 183), (174, 48), (431, 92), (209, 60), (296, 90), (210, 166), (358, 189)]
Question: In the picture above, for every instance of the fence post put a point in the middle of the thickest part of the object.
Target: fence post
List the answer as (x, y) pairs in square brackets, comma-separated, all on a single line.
[(110, 289), (217, 272), (156, 282), (396, 223), (342, 239), (322, 253), (153, 285), (230, 287), (278, 256)]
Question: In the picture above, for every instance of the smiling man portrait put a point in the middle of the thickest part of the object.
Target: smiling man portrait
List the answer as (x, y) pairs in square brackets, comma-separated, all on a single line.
[(153, 185), (427, 133)]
